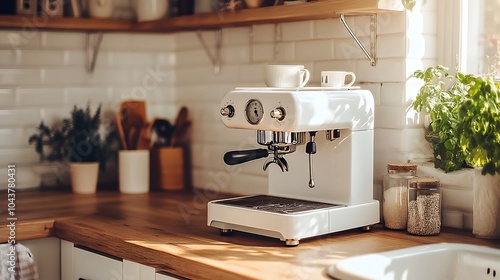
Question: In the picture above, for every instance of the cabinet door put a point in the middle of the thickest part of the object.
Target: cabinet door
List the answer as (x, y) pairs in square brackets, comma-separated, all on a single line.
[(135, 271), (165, 277), (46, 254), (91, 266)]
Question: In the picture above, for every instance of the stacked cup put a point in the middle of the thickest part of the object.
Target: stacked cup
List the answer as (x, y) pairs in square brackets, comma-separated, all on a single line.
[(286, 76)]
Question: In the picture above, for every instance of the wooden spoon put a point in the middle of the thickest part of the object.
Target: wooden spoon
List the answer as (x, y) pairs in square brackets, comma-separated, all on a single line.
[(180, 126), (121, 134), (144, 141)]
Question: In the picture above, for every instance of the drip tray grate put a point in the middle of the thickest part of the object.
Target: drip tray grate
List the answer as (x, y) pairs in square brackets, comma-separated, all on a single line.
[(276, 204)]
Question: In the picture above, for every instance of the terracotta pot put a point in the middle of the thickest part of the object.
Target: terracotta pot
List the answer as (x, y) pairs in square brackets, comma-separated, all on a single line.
[(84, 177), (486, 206)]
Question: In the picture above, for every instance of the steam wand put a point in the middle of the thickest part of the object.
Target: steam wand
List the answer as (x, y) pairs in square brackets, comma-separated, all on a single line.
[(311, 149)]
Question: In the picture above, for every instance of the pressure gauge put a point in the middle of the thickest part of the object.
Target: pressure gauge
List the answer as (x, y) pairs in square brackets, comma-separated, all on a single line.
[(254, 111)]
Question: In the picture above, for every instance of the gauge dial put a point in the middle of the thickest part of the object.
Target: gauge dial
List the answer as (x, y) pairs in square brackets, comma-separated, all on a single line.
[(254, 111)]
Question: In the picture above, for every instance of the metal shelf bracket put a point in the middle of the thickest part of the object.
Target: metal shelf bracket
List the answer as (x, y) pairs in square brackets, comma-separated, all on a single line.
[(93, 46), (215, 59), (372, 55)]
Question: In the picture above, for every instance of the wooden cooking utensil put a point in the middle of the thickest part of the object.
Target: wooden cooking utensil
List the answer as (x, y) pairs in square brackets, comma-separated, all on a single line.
[(180, 126), (121, 134), (133, 115), (144, 142)]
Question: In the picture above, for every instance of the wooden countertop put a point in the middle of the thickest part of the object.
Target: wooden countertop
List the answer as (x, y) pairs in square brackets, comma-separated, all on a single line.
[(168, 231)]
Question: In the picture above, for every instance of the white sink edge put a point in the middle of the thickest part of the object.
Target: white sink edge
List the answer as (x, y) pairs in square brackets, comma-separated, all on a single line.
[(374, 263)]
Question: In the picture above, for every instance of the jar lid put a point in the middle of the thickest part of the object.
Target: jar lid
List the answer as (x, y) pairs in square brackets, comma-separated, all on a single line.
[(401, 167), (423, 182)]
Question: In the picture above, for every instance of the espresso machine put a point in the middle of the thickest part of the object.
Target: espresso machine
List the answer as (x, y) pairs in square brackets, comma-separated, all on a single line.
[(318, 150)]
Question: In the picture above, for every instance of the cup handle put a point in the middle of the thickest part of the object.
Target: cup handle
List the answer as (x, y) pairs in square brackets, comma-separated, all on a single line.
[(306, 77), (353, 78)]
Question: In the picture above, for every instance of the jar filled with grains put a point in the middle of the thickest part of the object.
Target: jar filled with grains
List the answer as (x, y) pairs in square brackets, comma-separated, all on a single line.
[(424, 206), (395, 204)]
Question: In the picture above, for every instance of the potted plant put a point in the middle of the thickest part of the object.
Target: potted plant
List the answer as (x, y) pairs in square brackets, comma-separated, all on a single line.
[(464, 131), (79, 142)]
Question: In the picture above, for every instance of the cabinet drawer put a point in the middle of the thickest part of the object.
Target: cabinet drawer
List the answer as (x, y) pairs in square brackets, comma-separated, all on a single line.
[(91, 266)]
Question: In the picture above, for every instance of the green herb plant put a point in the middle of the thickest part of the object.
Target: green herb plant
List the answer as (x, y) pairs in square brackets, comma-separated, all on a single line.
[(479, 127), (465, 122), (78, 140)]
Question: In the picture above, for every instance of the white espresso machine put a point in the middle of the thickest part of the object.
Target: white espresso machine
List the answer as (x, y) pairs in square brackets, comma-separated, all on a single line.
[(318, 146)]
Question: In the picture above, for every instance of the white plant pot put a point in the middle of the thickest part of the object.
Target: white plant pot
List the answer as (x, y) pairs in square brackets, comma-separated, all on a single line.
[(486, 206), (84, 177)]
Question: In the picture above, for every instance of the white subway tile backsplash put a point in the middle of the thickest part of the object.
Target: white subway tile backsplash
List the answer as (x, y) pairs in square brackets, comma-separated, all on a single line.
[(14, 77), (236, 55), (285, 52), (36, 96), (24, 39), (12, 137), (153, 42), (193, 58), (190, 41), (40, 58), (392, 46), (116, 42), (7, 97), (265, 33), (8, 57), (262, 53), (236, 36), (297, 31), (252, 74), (76, 58), (387, 70), (17, 155), (393, 94), (346, 48), (389, 23), (63, 40), (316, 50), (11, 118), (82, 95), (332, 28), (64, 76), (390, 117)]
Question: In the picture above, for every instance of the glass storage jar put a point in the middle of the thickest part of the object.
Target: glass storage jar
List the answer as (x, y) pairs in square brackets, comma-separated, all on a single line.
[(424, 206), (395, 197)]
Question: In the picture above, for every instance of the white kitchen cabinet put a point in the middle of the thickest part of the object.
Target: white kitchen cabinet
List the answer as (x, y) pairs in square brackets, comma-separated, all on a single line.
[(89, 265), (165, 277), (78, 263), (46, 254), (136, 271)]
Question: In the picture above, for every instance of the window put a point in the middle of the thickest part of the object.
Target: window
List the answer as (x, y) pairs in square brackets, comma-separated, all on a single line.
[(480, 32)]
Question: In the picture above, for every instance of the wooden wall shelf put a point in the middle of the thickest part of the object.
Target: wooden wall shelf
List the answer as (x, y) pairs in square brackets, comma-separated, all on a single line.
[(319, 9)]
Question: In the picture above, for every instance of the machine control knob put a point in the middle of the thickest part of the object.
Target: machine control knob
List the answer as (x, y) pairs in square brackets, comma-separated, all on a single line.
[(227, 111), (278, 113)]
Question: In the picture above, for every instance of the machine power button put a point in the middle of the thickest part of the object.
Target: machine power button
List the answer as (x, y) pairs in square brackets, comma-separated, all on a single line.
[(227, 111), (278, 113)]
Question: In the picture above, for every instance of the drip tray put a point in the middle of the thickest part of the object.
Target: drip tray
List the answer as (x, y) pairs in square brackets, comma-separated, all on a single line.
[(276, 204)]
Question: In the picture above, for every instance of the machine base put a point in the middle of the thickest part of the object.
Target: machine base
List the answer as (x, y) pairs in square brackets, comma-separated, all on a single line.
[(290, 220)]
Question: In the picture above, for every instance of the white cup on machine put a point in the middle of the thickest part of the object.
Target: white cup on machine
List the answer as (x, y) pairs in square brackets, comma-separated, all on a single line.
[(337, 79), (286, 76)]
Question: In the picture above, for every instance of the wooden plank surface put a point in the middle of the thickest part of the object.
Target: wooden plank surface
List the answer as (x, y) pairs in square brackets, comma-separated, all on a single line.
[(319, 9), (168, 231)]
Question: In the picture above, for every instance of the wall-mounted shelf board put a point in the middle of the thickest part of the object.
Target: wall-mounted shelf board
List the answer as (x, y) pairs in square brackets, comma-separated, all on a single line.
[(319, 9)]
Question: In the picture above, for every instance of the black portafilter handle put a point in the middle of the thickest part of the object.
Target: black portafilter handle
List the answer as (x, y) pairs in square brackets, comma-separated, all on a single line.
[(237, 157)]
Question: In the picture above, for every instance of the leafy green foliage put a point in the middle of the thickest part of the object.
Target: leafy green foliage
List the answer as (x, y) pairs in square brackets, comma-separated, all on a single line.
[(440, 96), (465, 119), (79, 139), (479, 129)]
